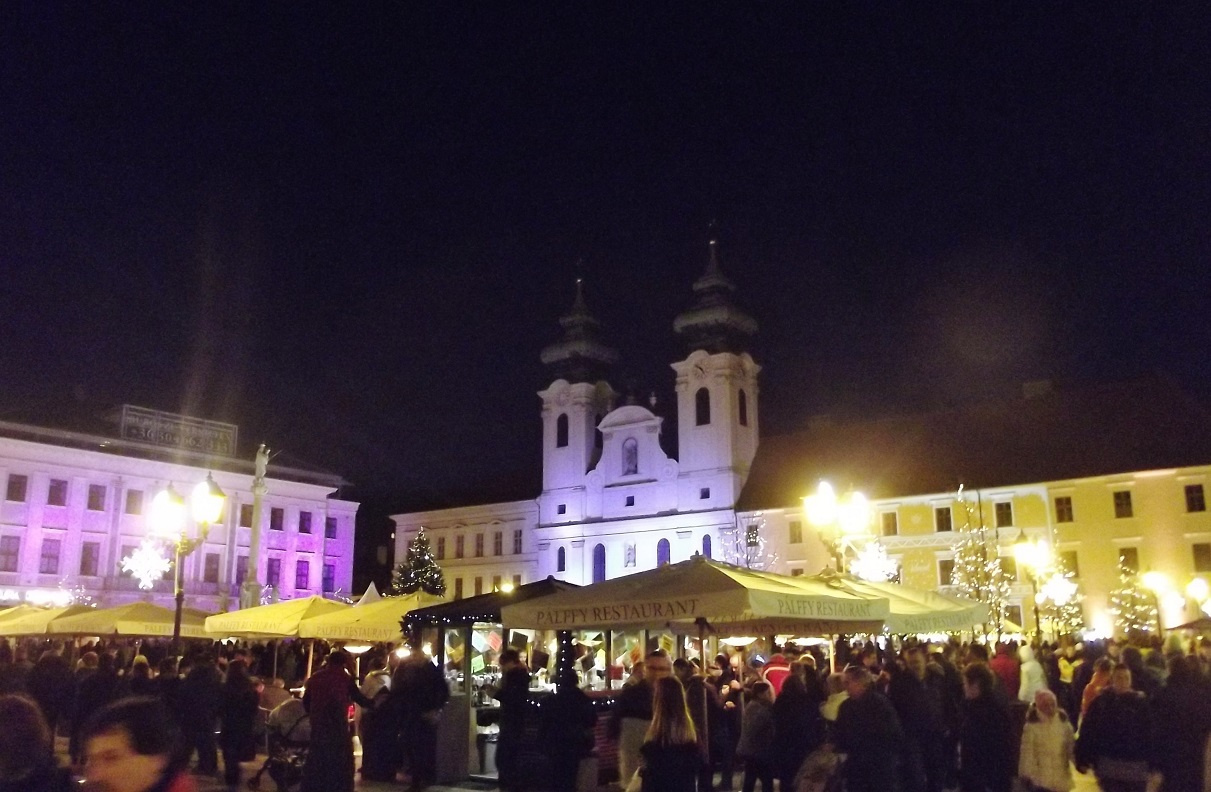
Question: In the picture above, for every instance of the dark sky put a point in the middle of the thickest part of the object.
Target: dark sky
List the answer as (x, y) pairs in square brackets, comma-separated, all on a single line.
[(351, 228)]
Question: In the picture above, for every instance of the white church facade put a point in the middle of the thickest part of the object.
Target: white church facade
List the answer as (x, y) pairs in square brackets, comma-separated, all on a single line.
[(613, 502)]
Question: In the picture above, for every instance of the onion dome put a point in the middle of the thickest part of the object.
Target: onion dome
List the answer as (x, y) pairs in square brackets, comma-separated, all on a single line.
[(714, 323), (580, 356)]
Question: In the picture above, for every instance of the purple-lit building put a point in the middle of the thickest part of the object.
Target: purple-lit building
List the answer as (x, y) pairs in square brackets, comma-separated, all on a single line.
[(74, 505)]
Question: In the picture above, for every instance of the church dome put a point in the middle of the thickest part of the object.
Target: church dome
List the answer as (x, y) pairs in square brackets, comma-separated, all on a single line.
[(580, 355), (714, 323)]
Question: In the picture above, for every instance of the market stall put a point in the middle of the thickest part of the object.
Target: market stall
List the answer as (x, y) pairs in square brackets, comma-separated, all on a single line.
[(134, 619)]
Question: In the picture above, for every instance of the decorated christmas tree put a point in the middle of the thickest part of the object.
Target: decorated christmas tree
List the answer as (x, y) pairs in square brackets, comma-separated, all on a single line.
[(418, 571), (1133, 606), (1060, 601), (977, 570)]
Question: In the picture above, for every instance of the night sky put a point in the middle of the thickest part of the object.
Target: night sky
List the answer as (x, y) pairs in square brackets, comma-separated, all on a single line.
[(350, 229)]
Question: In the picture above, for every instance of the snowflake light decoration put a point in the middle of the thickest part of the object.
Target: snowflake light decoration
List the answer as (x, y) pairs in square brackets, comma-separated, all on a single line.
[(147, 563), (874, 564)]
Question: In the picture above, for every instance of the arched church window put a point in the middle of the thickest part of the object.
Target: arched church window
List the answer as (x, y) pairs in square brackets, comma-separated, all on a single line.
[(561, 560), (702, 407), (663, 552), (743, 408), (706, 547), (630, 456), (561, 431), (599, 563)]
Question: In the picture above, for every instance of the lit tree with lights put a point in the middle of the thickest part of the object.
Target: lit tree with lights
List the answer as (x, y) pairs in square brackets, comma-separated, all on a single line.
[(418, 571), (1060, 601), (746, 546), (977, 571), (1132, 605)]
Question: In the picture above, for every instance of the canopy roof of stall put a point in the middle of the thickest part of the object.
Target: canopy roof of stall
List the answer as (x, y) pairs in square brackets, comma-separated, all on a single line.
[(484, 607), (135, 618), (915, 610), (276, 620), (692, 594), (37, 621), (377, 621)]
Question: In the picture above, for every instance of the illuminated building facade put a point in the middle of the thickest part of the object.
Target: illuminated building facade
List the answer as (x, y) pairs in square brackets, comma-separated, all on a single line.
[(74, 504)]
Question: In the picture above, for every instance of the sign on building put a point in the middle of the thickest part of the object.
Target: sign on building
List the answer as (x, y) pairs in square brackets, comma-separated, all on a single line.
[(179, 431)]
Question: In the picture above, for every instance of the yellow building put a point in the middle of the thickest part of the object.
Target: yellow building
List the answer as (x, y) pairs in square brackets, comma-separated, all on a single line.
[(1095, 475)]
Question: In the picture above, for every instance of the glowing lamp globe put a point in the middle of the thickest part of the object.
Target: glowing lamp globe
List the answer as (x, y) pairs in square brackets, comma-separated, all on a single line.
[(166, 515), (207, 501)]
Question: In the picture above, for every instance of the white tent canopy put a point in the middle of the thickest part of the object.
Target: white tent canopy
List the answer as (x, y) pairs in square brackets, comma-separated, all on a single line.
[(276, 620), (376, 622)]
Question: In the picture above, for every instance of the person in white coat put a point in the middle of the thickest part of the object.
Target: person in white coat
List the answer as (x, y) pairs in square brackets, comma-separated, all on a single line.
[(1033, 677), (1047, 745)]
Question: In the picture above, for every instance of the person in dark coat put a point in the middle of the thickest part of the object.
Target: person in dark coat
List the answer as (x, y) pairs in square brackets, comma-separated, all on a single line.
[(568, 731), (798, 730), (237, 717), (514, 697), (868, 731), (377, 727), (705, 711), (167, 686), (1181, 723), (918, 715), (418, 694), (986, 759), (201, 691), (330, 693), (93, 692), (1116, 736), (670, 752), (50, 685), (27, 762), (756, 744)]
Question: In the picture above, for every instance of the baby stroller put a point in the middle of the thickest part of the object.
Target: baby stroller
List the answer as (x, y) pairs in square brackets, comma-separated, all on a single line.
[(287, 755)]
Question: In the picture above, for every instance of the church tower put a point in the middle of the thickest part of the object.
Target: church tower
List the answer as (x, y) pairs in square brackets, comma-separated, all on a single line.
[(716, 390), (572, 406)]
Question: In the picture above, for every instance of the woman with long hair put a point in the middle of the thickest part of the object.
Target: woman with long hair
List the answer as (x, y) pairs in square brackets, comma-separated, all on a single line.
[(671, 754)]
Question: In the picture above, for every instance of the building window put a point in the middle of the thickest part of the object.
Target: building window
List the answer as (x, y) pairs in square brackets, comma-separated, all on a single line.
[(1013, 613), (1129, 557), (210, 572), (946, 571), (496, 582), (459, 546), (1195, 499), (134, 501), (1003, 514), (743, 401), (302, 574), (706, 547), (628, 555), (479, 545), (702, 407), (1063, 509), (1122, 504), (277, 518), (1202, 557), (941, 519), (329, 527), (241, 569), (796, 532), (17, 486), (479, 585), (1068, 561), (48, 564), (498, 543), (245, 515), (441, 548), (797, 572), (458, 589), (891, 523), (328, 584), (704, 493), (561, 560), (630, 500), (517, 542), (56, 493), (90, 558), (304, 522), (516, 581), (96, 497), (561, 508), (273, 572), (663, 552), (561, 431), (630, 456), (599, 563), (10, 552)]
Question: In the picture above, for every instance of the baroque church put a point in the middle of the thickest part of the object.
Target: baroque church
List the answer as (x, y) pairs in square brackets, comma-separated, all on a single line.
[(612, 501)]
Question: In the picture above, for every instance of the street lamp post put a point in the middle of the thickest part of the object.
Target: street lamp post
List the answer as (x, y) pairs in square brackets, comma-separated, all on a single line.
[(845, 518), (167, 520), (1035, 556)]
